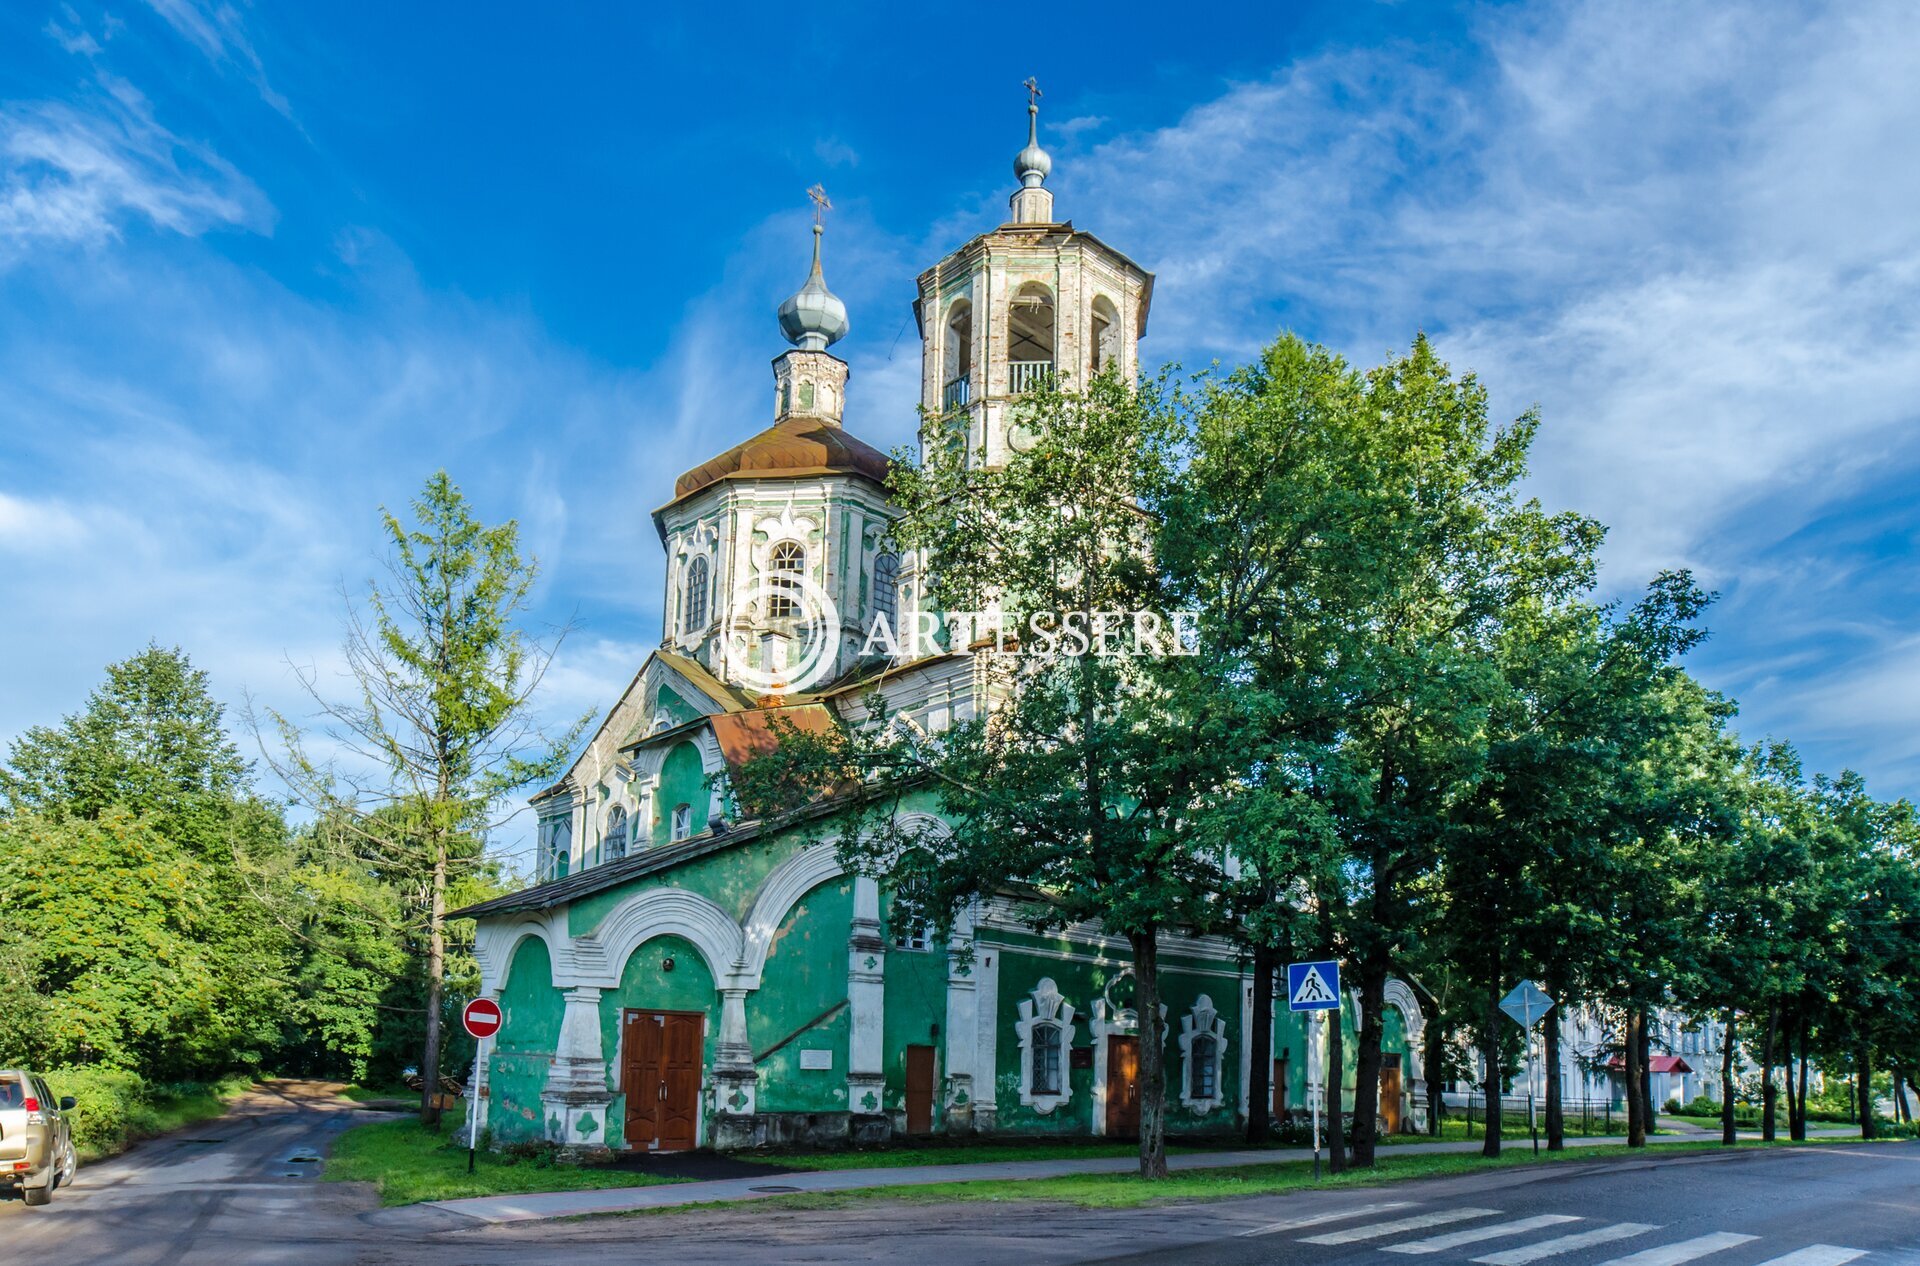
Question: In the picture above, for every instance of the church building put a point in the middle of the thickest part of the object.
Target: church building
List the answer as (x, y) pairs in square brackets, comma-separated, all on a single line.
[(682, 975)]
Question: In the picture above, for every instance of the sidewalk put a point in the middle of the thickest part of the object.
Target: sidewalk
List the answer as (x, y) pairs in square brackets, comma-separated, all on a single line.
[(569, 1204)]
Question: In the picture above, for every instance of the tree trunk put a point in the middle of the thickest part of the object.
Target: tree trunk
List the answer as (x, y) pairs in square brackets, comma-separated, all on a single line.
[(1490, 1086), (1260, 1041), (1550, 1072), (1768, 1093), (1366, 1082), (436, 973), (1434, 1066), (1153, 1081), (1630, 1074), (1864, 1063), (1650, 1113), (1336, 1094), (1798, 1127), (1727, 1136)]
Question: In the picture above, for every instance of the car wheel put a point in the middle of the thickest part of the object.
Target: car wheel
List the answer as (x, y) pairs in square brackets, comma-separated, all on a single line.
[(37, 1196), (71, 1168)]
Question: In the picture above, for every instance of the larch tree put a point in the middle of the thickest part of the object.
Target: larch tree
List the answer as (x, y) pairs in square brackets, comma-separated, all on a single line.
[(437, 723)]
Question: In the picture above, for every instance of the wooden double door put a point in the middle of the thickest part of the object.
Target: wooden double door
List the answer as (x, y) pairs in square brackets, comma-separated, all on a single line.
[(1123, 1087), (660, 1075)]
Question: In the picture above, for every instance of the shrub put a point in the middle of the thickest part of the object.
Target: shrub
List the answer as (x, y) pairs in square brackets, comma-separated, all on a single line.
[(113, 1107)]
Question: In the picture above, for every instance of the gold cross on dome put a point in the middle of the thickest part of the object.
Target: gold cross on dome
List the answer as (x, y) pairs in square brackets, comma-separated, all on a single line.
[(1033, 91), (821, 205)]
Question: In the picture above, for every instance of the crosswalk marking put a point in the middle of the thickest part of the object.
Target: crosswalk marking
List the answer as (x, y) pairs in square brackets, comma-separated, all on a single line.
[(1684, 1251), (1375, 1230), (1566, 1244), (1473, 1235), (1315, 1219), (1817, 1255)]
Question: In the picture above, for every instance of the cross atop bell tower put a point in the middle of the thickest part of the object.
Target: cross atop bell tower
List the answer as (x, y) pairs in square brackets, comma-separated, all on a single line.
[(1032, 203)]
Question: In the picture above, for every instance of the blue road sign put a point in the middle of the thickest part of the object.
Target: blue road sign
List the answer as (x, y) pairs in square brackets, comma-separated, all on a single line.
[(1313, 986)]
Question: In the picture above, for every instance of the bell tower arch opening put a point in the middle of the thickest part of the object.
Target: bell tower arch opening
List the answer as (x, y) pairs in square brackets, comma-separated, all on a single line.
[(1030, 337), (958, 357)]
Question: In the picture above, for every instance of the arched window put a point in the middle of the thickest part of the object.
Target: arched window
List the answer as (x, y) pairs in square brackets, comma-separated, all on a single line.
[(886, 588), (1029, 337), (682, 821), (693, 606), (959, 356), (556, 848), (789, 559), (616, 839), (1046, 1060), (1106, 336), (1202, 1068)]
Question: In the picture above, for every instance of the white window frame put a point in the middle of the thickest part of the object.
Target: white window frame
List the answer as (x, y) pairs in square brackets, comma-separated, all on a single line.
[(681, 824), (1045, 1007), (1202, 1021)]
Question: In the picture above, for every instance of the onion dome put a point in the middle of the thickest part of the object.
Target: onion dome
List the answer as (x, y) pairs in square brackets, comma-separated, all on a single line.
[(1032, 164), (813, 318)]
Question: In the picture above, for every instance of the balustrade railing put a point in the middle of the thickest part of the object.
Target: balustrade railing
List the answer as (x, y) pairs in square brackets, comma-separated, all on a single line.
[(956, 394), (1025, 375)]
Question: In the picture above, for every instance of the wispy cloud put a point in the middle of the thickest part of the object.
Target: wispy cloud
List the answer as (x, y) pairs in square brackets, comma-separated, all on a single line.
[(218, 31), (79, 172)]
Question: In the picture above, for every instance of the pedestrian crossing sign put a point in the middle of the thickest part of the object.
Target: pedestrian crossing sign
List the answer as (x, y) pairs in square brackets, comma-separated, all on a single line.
[(1313, 986)]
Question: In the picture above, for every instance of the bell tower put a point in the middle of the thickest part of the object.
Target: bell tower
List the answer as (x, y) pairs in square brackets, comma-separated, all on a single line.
[(1034, 299)]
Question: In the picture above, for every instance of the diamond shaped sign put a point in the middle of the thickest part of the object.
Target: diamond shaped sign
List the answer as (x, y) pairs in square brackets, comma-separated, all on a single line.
[(1526, 1004)]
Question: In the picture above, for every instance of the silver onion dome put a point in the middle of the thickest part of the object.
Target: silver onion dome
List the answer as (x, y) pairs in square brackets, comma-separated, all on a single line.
[(1032, 164), (813, 318)]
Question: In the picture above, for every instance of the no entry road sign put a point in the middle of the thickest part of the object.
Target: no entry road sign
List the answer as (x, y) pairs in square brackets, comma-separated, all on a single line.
[(1313, 986), (481, 1017)]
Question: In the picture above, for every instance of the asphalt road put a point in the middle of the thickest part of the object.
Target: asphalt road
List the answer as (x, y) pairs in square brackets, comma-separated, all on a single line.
[(239, 1192)]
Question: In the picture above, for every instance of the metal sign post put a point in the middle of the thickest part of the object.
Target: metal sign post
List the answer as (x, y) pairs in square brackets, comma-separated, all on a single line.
[(1315, 988), (1316, 1076), (481, 1018), (1524, 1006)]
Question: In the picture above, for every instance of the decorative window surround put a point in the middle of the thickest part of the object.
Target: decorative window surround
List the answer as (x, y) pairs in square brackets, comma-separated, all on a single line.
[(1045, 1008), (1202, 1022)]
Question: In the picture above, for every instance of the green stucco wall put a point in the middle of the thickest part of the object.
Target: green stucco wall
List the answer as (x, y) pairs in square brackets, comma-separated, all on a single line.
[(530, 1031), (803, 992), (683, 780), (916, 1013)]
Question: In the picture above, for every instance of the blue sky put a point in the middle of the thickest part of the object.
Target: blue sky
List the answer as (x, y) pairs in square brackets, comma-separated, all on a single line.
[(263, 269)]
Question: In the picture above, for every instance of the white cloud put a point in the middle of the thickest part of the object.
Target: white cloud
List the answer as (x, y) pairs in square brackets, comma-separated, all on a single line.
[(79, 174), (217, 31)]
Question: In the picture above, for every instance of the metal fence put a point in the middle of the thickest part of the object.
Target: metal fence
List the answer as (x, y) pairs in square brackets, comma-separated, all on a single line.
[(1578, 1116)]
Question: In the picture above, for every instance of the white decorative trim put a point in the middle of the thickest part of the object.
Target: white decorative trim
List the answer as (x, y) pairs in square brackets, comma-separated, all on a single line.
[(779, 893), (1202, 1021), (494, 944), (1045, 1006), (1400, 996), (600, 956)]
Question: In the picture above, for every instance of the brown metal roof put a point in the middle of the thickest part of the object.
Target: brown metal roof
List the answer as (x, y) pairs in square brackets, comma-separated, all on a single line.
[(794, 448)]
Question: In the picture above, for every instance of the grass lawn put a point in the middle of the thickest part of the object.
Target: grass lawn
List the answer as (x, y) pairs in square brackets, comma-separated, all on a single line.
[(409, 1163), (969, 1153), (1121, 1191), (369, 1094)]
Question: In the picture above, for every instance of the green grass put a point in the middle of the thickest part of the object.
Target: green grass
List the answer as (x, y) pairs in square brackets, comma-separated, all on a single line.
[(409, 1163), (192, 1104), (367, 1094), (971, 1153), (1124, 1191)]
